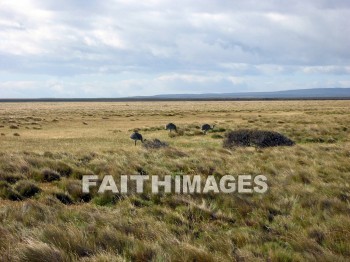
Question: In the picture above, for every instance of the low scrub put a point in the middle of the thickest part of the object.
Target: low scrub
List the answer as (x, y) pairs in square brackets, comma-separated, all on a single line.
[(155, 143), (6, 192), (47, 175), (10, 178), (257, 138), (27, 189), (64, 198)]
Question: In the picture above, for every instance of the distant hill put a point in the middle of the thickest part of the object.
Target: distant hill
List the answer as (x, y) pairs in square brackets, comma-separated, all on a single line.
[(316, 93), (288, 94)]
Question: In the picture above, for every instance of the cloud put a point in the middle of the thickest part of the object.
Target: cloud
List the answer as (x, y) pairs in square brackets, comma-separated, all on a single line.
[(118, 46)]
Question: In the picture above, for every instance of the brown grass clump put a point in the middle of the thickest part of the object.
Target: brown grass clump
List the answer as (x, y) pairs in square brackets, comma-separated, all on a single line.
[(27, 189), (10, 178), (256, 138), (74, 188), (154, 144), (6, 192), (35, 251), (179, 132), (48, 175), (64, 198)]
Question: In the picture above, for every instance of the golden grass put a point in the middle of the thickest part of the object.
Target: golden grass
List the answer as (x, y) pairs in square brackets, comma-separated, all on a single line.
[(303, 216)]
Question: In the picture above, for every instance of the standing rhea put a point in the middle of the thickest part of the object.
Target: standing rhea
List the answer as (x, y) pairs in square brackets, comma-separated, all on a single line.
[(207, 127), (136, 136), (171, 127)]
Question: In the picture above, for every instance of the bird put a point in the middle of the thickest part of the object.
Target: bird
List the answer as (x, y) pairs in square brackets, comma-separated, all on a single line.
[(136, 136), (171, 127), (207, 127)]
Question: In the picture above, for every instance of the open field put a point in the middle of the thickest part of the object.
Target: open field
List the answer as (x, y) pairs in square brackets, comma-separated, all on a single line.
[(48, 147)]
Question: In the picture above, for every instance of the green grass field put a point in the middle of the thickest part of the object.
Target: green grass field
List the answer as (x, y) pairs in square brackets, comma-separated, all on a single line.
[(46, 148)]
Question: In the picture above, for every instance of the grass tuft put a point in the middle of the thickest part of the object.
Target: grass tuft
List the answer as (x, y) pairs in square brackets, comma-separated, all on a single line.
[(27, 189)]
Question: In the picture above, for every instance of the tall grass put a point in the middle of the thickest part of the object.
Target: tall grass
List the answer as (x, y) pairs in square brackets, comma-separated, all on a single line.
[(45, 216)]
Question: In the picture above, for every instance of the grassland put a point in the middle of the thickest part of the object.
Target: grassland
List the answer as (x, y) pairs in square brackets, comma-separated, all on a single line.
[(45, 149)]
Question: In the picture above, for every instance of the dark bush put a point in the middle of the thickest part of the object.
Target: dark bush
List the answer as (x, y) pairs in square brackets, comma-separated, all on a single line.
[(27, 189), (257, 138), (48, 175), (6, 192), (64, 198), (10, 178), (156, 143)]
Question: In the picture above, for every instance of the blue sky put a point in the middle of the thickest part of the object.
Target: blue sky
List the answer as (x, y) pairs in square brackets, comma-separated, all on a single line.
[(116, 48)]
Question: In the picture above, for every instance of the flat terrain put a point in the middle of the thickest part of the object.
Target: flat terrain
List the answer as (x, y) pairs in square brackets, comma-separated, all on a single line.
[(305, 215)]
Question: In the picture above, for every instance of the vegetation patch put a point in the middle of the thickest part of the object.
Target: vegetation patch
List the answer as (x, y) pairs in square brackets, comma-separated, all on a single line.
[(217, 136), (48, 175), (256, 138), (27, 189), (154, 144), (6, 192), (64, 198)]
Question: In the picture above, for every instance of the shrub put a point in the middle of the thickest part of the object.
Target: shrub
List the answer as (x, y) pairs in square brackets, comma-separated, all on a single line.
[(16, 134), (64, 198), (10, 178), (256, 138), (6, 192), (27, 189), (156, 143), (48, 175)]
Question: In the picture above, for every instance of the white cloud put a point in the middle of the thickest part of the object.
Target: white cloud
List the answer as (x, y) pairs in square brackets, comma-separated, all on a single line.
[(330, 69), (162, 45)]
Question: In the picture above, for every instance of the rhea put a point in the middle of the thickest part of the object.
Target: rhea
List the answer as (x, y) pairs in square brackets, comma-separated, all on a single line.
[(207, 127), (171, 127), (136, 136)]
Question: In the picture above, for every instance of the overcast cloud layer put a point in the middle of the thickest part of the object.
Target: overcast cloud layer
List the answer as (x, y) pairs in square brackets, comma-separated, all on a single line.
[(116, 48)]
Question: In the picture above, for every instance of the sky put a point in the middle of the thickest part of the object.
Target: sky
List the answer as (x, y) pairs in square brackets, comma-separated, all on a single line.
[(118, 48)]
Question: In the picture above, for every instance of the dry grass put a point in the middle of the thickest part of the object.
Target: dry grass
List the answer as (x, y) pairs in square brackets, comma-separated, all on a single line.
[(45, 216)]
